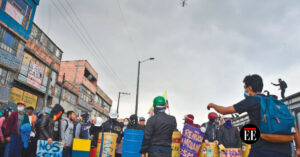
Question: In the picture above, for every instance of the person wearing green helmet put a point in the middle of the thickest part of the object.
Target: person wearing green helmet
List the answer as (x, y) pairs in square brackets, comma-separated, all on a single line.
[(158, 131)]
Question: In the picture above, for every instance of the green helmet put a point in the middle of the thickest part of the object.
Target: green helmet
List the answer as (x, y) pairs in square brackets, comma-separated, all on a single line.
[(159, 101)]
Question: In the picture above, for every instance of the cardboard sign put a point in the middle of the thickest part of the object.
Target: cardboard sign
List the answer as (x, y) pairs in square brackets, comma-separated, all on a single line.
[(191, 141), (231, 152), (44, 149)]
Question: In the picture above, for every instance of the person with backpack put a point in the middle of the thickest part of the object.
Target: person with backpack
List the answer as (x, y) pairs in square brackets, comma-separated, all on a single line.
[(255, 105), (283, 86), (229, 136), (66, 131), (212, 129)]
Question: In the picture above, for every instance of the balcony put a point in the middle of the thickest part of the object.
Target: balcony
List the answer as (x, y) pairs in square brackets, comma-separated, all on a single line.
[(84, 104)]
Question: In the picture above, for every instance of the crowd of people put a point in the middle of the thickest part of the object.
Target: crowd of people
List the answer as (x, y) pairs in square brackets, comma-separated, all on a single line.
[(21, 129)]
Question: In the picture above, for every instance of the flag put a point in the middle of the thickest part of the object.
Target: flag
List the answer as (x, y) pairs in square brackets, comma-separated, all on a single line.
[(166, 98)]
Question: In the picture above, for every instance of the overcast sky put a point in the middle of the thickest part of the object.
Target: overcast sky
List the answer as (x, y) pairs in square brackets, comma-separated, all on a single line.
[(203, 50)]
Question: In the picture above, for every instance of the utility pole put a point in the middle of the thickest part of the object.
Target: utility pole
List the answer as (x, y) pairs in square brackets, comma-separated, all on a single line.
[(120, 93), (61, 88), (48, 86)]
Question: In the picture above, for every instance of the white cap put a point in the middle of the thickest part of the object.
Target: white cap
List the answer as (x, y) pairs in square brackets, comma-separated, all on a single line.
[(113, 114), (99, 121)]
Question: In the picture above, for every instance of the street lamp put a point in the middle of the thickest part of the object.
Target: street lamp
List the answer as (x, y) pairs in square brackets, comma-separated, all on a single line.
[(120, 93), (138, 84)]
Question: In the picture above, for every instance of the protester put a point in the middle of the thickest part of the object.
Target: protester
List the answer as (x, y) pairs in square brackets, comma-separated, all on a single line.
[(95, 131), (84, 126), (31, 116), (49, 127), (189, 119), (229, 136), (142, 122), (66, 129), (125, 123), (212, 129), (30, 151), (113, 126), (282, 84), (133, 124), (253, 85), (158, 131), (13, 131)]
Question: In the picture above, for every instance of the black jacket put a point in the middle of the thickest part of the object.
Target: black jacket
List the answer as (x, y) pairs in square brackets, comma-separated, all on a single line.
[(212, 131), (95, 130), (47, 128), (50, 128), (230, 137), (112, 125), (158, 131)]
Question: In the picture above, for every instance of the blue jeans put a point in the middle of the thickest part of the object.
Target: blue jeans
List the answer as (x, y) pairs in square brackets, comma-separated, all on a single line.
[(67, 152), (266, 154), (15, 147)]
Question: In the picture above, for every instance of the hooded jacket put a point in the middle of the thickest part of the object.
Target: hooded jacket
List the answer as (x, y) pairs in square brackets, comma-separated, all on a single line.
[(48, 127)]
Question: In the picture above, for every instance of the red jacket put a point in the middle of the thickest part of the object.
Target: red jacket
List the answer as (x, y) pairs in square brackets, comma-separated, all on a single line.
[(12, 123)]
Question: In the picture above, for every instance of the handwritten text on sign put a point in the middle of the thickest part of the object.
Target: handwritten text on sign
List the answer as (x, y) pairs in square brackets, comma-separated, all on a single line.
[(191, 141), (231, 152), (49, 150)]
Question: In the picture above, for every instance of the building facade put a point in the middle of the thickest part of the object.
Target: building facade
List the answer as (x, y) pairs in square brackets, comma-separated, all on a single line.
[(16, 18), (38, 71), (82, 80)]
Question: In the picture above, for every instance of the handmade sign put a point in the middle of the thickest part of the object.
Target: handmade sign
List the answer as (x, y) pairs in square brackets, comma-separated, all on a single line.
[(106, 145), (231, 152), (81, 148), (190, 141), (176, 144), (44, 149)]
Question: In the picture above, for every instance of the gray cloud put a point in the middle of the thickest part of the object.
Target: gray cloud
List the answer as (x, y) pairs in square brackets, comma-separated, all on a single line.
[(203, 50)]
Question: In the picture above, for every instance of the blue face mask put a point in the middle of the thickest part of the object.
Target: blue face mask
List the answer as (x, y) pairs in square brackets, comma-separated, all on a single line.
[(246, 94), (125, 123)]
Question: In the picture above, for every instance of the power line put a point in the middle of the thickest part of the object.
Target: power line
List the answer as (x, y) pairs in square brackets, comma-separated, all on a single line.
[(126, 28), (94, 43), (79, 33)]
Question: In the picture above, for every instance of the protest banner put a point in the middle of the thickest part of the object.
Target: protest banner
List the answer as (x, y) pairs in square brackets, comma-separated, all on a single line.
[(81, 148), (190, 141), (231, 152), (44, 149)]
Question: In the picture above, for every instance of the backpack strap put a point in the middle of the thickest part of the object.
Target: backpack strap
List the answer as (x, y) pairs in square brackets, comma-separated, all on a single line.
[(267, 106), (66, 125)]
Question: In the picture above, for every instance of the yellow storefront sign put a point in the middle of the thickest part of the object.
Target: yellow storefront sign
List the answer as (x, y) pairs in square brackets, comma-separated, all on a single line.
[(29, 99), (17, 95)]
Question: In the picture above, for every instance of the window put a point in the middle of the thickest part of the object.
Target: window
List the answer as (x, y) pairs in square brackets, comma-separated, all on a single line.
[(3, 76), (10, 43), (34, 33), (42, 39), (50, 47), (58, 53), (19, 10)]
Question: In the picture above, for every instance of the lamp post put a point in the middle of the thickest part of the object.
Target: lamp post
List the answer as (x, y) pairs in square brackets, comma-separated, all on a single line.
[(120, 93), (138, 84)]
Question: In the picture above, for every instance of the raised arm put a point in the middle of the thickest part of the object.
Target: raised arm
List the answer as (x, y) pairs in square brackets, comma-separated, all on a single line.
[(221, 109)]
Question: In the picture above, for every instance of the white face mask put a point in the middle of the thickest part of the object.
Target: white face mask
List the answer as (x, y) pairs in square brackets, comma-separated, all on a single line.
[(20, 108)]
